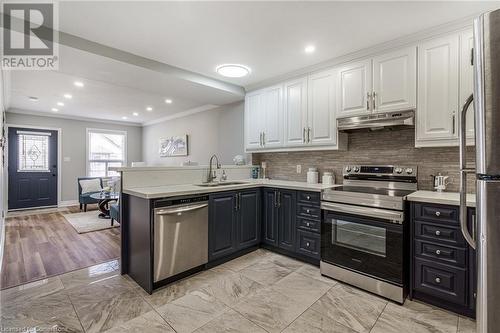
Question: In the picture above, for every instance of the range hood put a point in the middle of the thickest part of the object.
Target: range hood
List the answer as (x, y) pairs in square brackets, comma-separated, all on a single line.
[(376, 121)]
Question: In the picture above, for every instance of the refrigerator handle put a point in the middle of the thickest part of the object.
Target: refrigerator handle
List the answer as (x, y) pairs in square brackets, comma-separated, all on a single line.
[(463, 175)]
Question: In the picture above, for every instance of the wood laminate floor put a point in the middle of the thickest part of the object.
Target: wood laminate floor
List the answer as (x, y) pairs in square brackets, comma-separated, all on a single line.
[(40, 243)]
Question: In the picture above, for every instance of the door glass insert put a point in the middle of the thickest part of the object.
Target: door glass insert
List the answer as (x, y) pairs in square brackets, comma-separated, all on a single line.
[(361, 237), (33, 152)]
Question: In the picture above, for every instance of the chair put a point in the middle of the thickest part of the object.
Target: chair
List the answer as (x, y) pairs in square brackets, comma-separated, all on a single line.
[(114, 212), (85, 199)]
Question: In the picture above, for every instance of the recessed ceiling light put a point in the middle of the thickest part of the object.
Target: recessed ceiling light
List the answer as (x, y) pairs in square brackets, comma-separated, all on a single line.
[(33, 98), (149, 108), (135, 114), (78, 84), (168, 101), (310, 49), (60, 103), (55, 109), (233, 70), (124, 118), (68, 96)]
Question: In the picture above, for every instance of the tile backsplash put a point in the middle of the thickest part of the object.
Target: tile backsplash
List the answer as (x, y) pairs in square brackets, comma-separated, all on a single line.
[(382, 147)]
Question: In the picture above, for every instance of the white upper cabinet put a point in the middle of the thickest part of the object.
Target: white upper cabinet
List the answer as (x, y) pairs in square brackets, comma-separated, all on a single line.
[(437, 112), (273, 127), (264, 118), (395, 81), (354, 88), (322, 129), (295, 109), (467, 79), (254, 119)]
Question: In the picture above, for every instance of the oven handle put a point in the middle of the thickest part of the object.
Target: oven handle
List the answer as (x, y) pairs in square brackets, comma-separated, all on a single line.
[(393, 216)]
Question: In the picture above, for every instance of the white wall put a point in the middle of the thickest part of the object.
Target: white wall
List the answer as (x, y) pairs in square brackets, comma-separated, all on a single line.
[(74, 145), (216, 131), (2, 185)]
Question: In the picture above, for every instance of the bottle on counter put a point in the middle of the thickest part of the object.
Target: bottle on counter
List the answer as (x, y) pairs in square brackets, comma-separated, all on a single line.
[(312, 176), (328, 178)]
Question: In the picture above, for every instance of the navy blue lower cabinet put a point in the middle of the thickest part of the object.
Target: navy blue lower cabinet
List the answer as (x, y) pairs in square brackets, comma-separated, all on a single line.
[(222, 231), (249, 218), (443, 266), (286, 219), (270, 217)]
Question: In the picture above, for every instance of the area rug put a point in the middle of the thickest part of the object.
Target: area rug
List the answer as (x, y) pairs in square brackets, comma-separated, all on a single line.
[(89, 221)]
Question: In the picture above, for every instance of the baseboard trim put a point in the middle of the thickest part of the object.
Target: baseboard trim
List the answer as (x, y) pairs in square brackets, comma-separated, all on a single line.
[(68, 203)]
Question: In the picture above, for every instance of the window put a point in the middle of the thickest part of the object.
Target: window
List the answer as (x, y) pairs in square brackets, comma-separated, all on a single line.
[(33, 151), (105, 149)]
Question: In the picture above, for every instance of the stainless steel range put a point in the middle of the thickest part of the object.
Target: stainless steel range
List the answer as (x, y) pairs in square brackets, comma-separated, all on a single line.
[(363, 229)]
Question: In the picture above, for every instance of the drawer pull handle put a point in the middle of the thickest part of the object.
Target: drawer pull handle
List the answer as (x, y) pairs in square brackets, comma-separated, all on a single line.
[(308, 211), (438, 252), (438, 233), (307, 244), (308, 197), (438, 280), (438, 213), (307, 224)]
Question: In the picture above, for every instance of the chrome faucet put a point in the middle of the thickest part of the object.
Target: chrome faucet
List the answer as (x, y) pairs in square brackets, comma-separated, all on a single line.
[(212, 173)]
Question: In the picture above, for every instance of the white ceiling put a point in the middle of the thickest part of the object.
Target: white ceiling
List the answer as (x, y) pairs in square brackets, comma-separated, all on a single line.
[(197, 36), (267, 36)]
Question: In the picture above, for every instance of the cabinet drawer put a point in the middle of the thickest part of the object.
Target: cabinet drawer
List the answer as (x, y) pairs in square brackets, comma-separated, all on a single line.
[(312, 198), (440, 281), (438, 213), (309, 225), (438, 233), (308, 243), (309, 211), (445, 254)]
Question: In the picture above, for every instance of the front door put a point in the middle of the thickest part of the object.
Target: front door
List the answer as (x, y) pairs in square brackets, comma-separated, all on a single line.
[(32, 168)]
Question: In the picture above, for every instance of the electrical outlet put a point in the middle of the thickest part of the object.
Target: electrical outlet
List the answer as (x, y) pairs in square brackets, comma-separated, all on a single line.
[(299, 168)]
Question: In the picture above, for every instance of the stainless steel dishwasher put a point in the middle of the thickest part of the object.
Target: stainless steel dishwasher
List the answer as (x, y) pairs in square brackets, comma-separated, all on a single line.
[(180, 236)]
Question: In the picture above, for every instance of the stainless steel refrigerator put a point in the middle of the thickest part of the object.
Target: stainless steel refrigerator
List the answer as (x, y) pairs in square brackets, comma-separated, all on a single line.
[(486, 101)]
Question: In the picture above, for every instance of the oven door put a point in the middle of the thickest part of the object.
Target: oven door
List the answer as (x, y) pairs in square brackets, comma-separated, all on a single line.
[(371, 244)]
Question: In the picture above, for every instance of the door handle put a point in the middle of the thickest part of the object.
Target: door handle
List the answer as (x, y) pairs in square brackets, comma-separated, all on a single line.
[(181, 209), (463, 176)]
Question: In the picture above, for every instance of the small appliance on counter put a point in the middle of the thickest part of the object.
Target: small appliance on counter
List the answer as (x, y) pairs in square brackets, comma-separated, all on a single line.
[(364, 226), (328, 178), (312, 176)]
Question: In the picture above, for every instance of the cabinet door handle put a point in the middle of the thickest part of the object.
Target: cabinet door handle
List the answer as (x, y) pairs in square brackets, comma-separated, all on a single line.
[(308, 197), (308, 211), (438, 280), (308, 134), (307, 244), (373, 100), (307, 224), (438, 233), (438, 213), (236, 201), (263, 138), (453, 122), (260, 139), (279, 199), (368, 96), (438, 252), (304, 135)]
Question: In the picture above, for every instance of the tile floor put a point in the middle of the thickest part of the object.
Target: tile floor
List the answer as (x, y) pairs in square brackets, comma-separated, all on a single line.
[(259, 292)]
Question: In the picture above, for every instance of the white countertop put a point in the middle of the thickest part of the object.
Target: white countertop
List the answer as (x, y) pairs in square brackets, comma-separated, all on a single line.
[(154, 192), (445, 198)]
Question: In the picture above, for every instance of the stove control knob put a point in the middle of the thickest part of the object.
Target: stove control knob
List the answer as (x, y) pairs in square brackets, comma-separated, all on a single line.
[(356, 169), (398, 170), (348, 168), (409, 171)]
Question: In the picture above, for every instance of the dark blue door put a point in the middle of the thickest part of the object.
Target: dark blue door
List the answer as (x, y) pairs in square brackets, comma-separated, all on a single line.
[(32, 168)]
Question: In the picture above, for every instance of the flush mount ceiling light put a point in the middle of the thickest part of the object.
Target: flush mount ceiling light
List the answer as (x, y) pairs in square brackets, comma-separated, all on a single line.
[(55, 109), (78, 84), (149, 108), (33, 98), (168, 101), (68, 96), (135, 114), (60, 103), (310, 49), (233, 70)]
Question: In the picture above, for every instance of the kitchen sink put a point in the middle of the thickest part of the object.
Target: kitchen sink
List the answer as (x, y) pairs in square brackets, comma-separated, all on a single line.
[(217, 184)]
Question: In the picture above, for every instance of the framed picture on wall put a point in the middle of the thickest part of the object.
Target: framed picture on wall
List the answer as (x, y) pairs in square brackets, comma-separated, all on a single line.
[(174, 146)]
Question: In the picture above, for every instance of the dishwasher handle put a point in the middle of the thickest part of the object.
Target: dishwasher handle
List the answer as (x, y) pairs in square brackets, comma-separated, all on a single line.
[(181, 209)]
